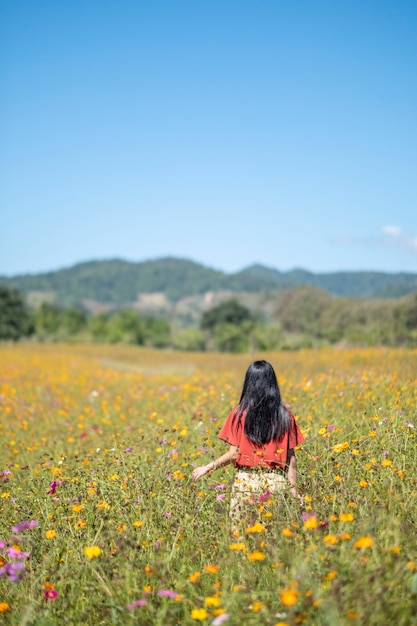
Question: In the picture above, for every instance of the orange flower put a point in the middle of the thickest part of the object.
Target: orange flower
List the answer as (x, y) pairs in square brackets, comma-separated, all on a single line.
[(237, 546), (211, 569), (289, 597), (50, 534), (364, 542), (256, 556)]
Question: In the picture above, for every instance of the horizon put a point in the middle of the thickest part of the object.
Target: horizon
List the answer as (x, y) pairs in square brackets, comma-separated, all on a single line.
[(167, 258), (234, 133)]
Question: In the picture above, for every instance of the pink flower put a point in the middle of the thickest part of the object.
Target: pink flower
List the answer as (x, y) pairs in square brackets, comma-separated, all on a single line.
[(132, 606), (50, 594), (167, 593), (219, 486), (221, 496), (16, 554), (264, 496), (167, 514)]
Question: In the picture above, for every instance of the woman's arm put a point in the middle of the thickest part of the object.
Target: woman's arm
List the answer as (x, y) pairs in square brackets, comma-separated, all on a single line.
[(225, 459), (292, 473)]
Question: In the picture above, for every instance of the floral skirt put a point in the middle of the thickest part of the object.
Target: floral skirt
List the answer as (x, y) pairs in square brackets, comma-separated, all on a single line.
[(251, 491)]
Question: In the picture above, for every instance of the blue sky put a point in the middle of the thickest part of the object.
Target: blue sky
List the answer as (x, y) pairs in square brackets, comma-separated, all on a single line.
[(227, 132)]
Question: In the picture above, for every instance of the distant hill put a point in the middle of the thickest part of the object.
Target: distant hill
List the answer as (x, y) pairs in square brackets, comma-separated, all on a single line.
[(118, 283)]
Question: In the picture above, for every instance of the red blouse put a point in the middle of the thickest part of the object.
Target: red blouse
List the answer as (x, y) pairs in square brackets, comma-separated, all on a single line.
[(272, 454)]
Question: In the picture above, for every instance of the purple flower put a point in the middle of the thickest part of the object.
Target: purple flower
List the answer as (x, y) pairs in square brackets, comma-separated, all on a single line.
[(331, 427), (167, 593), (25, 525), (128, 450), (132, 606), (52, 488), (219, 486), (14, 571)]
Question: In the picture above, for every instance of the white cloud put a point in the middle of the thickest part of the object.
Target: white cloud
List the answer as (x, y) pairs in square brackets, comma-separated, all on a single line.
[(391, 237), (395, 231)]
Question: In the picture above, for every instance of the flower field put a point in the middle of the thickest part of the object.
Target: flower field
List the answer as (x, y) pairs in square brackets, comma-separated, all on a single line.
[(101, 522)]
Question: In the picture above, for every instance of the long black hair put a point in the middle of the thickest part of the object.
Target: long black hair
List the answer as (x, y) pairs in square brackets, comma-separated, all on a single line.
[(266, 418)]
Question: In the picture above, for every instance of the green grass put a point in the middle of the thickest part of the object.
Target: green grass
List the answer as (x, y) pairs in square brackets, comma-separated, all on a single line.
[(120, 430)]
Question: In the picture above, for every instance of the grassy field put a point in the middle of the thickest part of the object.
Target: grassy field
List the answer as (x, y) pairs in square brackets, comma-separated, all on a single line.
[(101, 523)]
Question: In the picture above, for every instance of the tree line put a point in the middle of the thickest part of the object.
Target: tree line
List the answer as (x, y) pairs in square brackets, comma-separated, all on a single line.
[(302, 317)]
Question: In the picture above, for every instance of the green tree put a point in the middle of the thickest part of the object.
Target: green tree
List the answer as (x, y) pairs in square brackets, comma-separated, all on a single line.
[(98, 326), (15, 320), (157, 332), (73, 321), (126, 326), (229, 312), (191, 339), (48, 320)]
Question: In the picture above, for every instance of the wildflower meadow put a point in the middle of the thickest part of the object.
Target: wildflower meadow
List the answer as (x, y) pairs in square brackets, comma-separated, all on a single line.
[(101, 522)]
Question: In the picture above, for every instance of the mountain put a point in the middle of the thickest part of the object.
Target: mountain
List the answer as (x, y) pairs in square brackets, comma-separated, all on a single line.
[(117, 283)]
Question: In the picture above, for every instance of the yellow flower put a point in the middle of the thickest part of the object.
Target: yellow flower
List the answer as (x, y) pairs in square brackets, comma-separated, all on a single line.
[(347, 517), (237, 546), (4, 607), (386, 463), (199, 614), (92, 552), (256, 528), (363, 484), (256, 606), (50, 534), (256, 556), (77, 508), (212, 601), (138, 523), (364, 542), (286, 532), (330, 540), (289, 597), (211, 569), (311, 523)]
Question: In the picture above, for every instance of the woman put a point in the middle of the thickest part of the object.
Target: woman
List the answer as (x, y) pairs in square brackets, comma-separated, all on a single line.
[(262, 434)]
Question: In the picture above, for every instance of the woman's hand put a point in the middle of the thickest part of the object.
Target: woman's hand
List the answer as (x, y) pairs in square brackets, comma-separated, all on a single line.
[(295, 494), (202, 470)]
